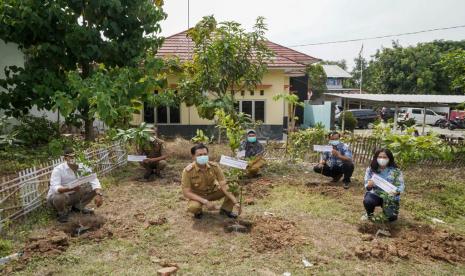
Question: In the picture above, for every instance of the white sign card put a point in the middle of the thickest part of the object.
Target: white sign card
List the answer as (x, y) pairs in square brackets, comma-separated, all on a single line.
[(241, 154), (383, 184), (322, 148), (136, 158), (82, 180), (233, 162)]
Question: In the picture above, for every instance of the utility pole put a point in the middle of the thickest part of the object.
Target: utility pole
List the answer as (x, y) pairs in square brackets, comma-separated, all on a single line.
[(361, 72)]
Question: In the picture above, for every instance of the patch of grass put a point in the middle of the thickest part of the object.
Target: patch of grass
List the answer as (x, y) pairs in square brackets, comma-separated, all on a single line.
[(294, 200), (6, 247), (439, 197), (36, 219)]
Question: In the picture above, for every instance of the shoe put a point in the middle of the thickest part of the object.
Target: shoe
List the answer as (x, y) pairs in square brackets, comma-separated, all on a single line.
[(63, 218), (198, 215), (148, 175), (346, 185), (366, 217), (228, 214), (85, 211), (336, 178)]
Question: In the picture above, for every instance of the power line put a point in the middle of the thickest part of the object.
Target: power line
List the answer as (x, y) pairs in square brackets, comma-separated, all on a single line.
[(378, 37)]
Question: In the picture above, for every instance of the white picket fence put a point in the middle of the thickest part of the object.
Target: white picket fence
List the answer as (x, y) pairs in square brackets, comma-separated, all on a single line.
[(26, 192)]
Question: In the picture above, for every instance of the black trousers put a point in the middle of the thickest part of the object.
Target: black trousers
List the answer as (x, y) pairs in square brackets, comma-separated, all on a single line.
[(347, 169), (390, 210)]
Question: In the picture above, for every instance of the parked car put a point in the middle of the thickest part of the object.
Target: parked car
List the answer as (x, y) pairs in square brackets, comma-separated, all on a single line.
[(365, 117), (417, 113)]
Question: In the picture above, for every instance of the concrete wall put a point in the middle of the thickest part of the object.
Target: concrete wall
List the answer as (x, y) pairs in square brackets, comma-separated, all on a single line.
[(10, 55), (314, 114)]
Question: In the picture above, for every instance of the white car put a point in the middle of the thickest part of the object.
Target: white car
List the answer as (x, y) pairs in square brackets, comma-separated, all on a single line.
[(417, 113)]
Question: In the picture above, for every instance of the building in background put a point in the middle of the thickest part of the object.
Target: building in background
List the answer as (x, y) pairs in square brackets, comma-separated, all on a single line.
[(286, 66)]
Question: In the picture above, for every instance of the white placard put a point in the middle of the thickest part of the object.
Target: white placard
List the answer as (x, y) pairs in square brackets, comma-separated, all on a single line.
[(322, 148), (383, 184), (82, 180), (233, 162), (136, 158), (241, 154)]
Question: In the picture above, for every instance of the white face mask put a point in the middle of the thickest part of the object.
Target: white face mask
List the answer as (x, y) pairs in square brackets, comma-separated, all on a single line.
[(382, 162)]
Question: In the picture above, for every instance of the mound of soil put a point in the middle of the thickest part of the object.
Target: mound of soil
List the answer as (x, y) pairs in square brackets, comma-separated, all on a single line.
[(419, 240), (80, 224), (49, 244), (273, 233)]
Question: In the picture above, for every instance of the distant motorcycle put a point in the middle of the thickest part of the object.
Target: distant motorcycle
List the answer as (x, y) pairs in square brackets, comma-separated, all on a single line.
[(456, 123)]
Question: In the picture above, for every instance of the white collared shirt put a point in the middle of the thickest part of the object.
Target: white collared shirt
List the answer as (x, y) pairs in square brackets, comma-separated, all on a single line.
[(63, 175)]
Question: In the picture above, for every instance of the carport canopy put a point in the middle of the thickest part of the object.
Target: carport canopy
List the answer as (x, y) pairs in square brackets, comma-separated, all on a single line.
[(396, 100)]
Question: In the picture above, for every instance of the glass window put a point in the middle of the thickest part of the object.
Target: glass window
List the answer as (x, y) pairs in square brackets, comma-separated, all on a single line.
[(259, 111), (149, 114), (416, 111), (256, 109), (175, 115), (247, 107), (162, 115), (429, 112)]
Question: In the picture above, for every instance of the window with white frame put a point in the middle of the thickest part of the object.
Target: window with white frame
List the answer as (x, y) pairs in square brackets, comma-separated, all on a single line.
[(255, 108), (162, 114), (168, 115)]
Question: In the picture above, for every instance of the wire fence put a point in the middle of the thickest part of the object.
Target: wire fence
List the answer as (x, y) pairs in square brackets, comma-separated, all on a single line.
[(25, 192)]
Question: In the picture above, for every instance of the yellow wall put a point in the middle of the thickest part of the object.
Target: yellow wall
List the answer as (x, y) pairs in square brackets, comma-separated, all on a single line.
[(274, 110)]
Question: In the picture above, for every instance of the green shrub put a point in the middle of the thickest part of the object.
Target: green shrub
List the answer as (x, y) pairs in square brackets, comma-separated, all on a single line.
[(200, 137), (36, 131), (409, 149), (350, 122), (302, 141)]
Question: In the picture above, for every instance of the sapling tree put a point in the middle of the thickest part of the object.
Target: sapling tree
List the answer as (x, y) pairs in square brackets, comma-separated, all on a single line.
[(225, 59)]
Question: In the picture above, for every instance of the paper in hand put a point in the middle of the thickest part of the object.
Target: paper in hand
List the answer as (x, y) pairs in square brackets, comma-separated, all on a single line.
[(136, 158), (233, 162), (383, 184), (82, 180), (322, 148)]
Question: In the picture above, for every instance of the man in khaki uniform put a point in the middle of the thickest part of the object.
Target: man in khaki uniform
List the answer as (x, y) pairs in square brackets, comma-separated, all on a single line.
[(156, 157), (203, 182)]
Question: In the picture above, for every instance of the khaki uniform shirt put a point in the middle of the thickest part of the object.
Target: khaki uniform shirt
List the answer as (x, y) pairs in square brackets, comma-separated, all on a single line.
[(155, 149), (202, 182)]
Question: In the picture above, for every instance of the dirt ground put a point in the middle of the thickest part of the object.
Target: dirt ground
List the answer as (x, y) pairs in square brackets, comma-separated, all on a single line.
[(290, 215)]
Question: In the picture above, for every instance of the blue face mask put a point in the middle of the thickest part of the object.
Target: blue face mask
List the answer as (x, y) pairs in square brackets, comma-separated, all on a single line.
[(202, 160), (252, 139), (334, 142)]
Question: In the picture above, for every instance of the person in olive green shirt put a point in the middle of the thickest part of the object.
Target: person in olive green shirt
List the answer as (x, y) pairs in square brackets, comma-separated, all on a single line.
[(203, 182)]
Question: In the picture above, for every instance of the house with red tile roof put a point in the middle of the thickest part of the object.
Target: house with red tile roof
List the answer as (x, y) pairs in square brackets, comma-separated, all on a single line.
[(286, 65)]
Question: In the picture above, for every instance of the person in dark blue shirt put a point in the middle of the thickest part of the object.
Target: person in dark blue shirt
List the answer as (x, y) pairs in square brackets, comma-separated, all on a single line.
[(337, 163)]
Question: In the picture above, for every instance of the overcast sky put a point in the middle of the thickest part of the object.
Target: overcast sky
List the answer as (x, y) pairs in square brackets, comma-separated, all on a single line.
[(294, 22)]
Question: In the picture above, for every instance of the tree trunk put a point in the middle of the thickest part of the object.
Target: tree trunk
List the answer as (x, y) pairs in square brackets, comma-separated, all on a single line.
[(88, 124), (89, 129)]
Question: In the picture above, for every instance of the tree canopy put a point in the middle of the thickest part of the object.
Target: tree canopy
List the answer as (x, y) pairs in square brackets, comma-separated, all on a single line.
[(57, 37), (410, 70), (225, 59)]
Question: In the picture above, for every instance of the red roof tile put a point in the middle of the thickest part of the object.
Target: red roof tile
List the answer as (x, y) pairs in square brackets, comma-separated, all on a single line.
[(181, 46)]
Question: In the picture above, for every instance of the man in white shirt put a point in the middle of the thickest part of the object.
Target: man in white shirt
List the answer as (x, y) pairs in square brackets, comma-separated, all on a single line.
[(61, 196)]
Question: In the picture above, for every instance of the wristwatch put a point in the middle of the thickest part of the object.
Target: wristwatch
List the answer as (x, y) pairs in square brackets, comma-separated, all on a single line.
[(100, 193)]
